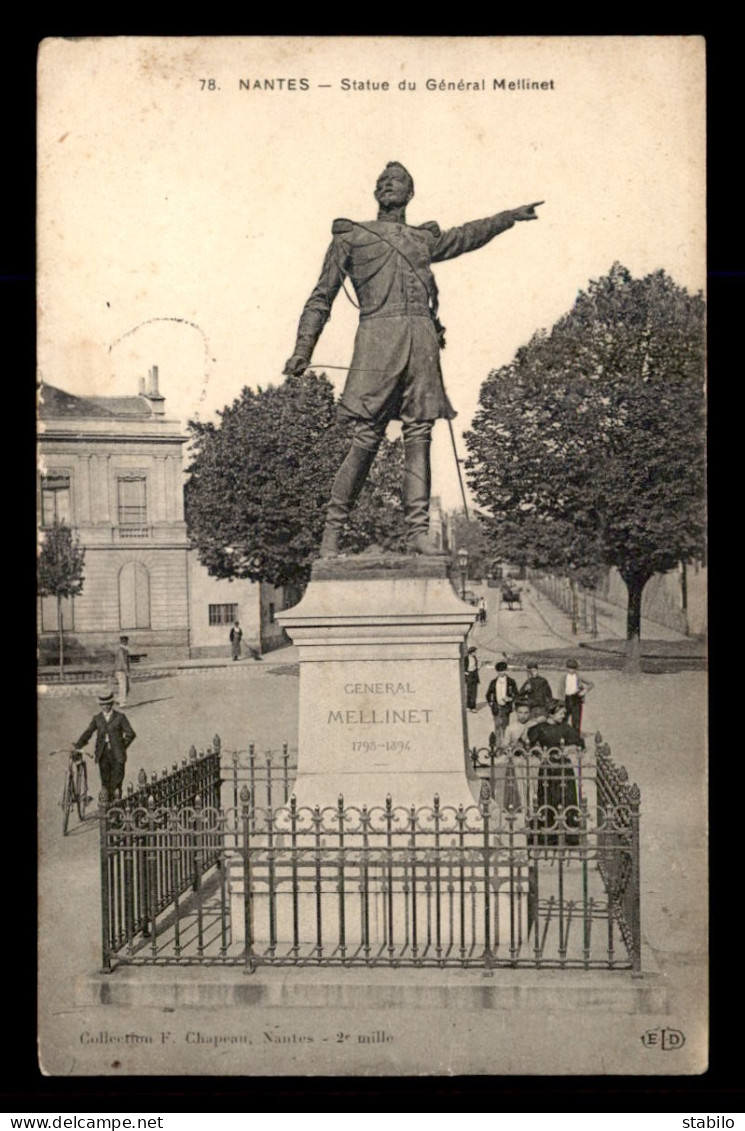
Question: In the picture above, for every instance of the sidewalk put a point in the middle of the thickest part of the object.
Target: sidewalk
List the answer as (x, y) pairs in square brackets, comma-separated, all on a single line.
[(83, 681), (543, 631), (539, 629), (277, 658), (611, 622)]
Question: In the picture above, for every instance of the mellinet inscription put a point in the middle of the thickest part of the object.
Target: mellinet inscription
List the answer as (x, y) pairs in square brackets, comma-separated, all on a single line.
[(377, 717)]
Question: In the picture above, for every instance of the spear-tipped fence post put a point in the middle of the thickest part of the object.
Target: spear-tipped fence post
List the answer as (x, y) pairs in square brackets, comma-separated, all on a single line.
[(247, 894), (493, 764), (235, 760), (340, 880), (634, 795), (103, 805), (152, 863), (484, 801)]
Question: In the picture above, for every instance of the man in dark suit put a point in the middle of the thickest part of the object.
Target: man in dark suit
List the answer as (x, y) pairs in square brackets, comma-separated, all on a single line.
[(113, 737), (536, 690), (471, 666)]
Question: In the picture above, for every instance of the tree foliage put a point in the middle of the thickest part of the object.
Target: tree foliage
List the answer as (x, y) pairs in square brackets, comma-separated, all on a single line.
[(60, 570), (260, 480), (588, 449), (470, 534)]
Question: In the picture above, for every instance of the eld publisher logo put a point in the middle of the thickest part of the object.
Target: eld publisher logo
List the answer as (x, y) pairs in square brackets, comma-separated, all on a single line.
[(665, 1039)]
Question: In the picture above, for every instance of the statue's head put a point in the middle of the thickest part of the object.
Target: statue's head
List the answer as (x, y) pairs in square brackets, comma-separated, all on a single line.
[(394, 186)]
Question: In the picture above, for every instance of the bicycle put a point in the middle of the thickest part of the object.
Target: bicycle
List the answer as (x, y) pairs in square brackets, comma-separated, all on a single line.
[(75, 792)]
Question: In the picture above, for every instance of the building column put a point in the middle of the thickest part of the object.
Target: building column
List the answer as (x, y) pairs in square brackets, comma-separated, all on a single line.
[(83, 500), (177, 474), (101, 488), (160, 507)]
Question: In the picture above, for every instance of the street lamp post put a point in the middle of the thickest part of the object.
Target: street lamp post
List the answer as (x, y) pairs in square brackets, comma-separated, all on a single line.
[(463, 567)]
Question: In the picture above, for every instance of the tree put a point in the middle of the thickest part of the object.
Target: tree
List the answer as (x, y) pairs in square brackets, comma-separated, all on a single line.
[(260, 480), (470, 534), (60, 571), (588, 449)]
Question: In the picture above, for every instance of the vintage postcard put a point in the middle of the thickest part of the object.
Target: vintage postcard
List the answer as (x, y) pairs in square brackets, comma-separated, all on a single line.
[(237, 238)]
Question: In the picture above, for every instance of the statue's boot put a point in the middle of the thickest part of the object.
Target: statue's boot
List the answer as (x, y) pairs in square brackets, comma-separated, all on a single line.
[(416, 492), (348, 483)]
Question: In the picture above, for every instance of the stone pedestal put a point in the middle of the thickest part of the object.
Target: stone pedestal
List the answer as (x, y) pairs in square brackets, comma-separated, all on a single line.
[(382, 693)]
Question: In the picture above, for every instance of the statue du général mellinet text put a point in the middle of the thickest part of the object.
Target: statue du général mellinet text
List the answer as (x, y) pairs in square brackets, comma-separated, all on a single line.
[(395, 372)]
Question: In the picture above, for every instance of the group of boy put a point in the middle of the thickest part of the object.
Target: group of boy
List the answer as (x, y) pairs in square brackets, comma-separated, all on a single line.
[(531, 715)]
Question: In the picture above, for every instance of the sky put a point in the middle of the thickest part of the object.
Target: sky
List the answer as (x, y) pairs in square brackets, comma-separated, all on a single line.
[(183, 219)]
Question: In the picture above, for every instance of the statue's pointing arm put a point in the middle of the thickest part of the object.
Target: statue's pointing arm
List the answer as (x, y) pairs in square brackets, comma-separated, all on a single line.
[(476, 233), (317, 309)]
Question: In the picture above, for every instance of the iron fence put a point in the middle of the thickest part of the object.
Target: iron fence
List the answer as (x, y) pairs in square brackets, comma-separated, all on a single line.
[(268, 776), (542, 872)]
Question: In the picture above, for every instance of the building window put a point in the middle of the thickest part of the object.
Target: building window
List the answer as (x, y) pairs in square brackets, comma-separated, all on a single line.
[(271, 612), (134, 596), (132, 501), (55, 498), (222, 614)]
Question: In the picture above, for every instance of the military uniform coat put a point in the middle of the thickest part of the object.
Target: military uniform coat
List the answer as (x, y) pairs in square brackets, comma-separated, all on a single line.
[(395, 372)]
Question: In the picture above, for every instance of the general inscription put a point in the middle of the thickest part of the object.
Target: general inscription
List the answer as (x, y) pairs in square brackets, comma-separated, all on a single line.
[(379, 714)]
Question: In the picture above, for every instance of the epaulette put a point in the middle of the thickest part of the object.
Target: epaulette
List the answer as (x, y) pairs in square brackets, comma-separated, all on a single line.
[(431, 226), (341, 227)]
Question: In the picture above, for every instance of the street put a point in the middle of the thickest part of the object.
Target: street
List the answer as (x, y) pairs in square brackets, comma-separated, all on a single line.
[(656, 727)]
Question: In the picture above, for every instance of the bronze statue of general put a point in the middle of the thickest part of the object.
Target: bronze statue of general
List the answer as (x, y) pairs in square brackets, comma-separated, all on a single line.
[(395, 372)]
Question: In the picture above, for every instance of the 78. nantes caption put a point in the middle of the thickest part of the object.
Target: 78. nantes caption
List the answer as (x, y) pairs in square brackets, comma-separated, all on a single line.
[(499, 85)]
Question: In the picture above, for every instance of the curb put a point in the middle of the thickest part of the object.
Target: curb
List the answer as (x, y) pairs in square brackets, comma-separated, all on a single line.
[(523, 990), (213, 671)]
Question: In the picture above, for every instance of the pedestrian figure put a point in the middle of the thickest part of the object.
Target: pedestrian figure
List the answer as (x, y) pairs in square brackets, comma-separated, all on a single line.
[(516, 731), (471, 665), (395, 372), (482, 611), (121, 670), (236, 635), (516, 741), (536, 690), (113, 737), (500, 695), (572, 689), (557, 806)]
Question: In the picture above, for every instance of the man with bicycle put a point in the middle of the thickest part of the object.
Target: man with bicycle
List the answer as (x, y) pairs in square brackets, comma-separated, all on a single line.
[(114, 735)]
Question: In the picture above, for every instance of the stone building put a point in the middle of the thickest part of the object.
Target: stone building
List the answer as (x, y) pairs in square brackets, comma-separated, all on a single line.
[(112, 469)]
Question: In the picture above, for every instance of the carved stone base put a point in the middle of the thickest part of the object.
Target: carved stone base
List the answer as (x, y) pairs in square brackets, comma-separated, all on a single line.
[(382, 694)]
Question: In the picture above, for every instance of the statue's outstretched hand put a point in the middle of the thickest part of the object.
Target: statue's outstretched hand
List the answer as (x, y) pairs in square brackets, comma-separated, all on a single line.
[(294, 366), (527, 212)]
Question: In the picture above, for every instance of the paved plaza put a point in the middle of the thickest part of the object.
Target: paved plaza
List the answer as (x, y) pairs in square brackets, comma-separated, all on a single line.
[(656, 727)]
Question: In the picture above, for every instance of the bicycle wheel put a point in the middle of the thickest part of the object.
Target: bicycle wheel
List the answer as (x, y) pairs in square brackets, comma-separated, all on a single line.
[(67, 802), (81, 789)]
